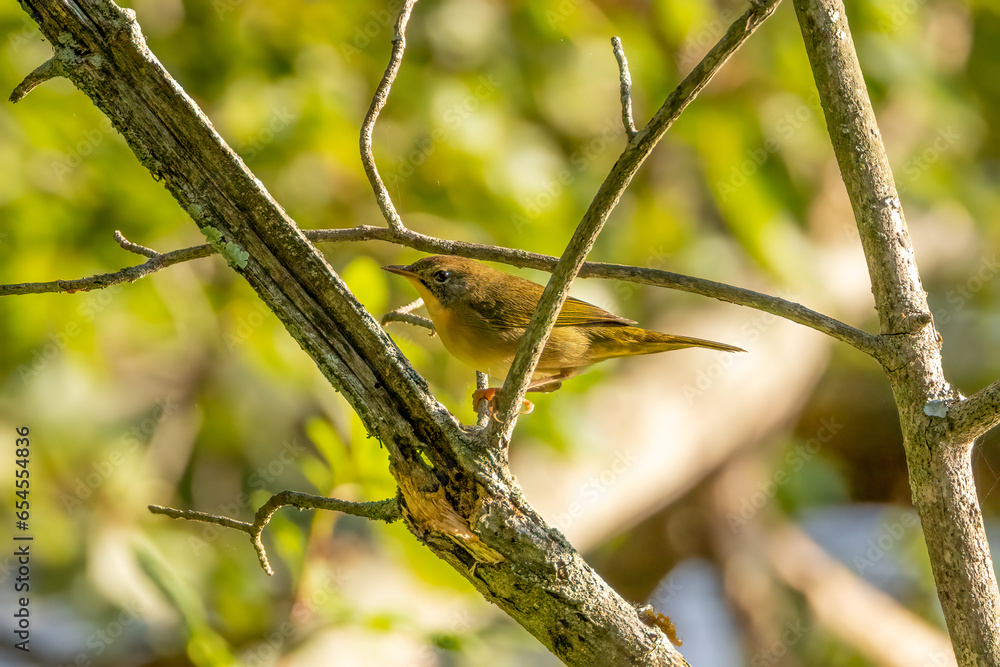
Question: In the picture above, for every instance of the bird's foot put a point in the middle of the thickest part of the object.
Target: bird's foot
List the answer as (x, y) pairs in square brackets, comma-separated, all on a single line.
[(490, 396)]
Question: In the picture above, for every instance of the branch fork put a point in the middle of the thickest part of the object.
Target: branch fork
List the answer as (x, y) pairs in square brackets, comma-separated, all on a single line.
[(387, 510)]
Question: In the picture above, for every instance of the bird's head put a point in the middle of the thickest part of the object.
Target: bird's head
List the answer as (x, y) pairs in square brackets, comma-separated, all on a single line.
[(447, 279)]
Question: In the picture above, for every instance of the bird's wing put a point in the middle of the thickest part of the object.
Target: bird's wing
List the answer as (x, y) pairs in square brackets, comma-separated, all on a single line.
[(576, 312), (519, 302)]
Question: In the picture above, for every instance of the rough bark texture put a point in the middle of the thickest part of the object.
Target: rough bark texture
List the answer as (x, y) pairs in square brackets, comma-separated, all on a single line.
[(940, 466), (457, 496)]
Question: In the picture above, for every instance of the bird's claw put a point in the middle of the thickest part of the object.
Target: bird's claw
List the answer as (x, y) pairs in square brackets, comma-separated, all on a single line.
[(490, 396)]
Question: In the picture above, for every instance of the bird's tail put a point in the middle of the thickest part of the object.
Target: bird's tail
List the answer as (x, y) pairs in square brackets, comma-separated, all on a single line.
[(627, 341)]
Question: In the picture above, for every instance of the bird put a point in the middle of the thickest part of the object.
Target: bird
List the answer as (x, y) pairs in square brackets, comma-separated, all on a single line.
[(481, 314)]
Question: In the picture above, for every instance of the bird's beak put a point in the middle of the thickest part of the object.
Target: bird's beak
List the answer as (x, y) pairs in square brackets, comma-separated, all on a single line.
[(401, 271)]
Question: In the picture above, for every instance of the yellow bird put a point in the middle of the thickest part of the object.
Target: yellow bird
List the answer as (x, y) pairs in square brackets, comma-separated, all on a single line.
[(481, 314)]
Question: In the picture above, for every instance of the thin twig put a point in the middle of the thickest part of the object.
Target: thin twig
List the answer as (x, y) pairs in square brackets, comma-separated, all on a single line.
[(194, 515), (134, 247), (404, 314), (51, 68), (378, 102), (129, 274), (626, 87), (408, 318), (537, 332), (483, 409), (387, 510), (868, 343)]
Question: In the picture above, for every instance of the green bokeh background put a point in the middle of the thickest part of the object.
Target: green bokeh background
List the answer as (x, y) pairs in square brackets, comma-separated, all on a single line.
[(182, 389)]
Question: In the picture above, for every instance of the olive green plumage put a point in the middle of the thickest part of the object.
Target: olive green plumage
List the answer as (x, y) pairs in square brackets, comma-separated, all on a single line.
[(481, 314)]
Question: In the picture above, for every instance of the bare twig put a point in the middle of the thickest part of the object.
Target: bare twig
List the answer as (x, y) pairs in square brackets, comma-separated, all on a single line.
[(483, 409), (555, 293), (378, 102), (626, 88), (129, 274), (865, 342), (134, 247), (404, 314), (51, 68), (204, 517), (387, 510)]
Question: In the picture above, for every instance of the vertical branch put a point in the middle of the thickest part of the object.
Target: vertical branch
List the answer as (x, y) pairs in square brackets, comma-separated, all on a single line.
[(939, 466), (378, 103), (625, 86), (864, 165)]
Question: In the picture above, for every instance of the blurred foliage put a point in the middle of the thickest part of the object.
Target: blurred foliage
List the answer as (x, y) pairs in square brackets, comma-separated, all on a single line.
[(182, 389)]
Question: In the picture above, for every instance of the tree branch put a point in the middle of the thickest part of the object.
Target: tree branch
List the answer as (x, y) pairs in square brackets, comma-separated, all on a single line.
[(865, 342), (970, 418), (135, 247), (127, 275), (625, 88), (51, 68), (636, 151), (387, 510), (378, 103), (939, 466), (404, 314)]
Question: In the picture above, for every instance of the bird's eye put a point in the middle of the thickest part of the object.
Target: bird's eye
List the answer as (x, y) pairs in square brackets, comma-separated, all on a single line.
[(442, 276)]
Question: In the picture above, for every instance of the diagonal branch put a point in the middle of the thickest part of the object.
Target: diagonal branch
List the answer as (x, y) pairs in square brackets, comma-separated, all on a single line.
[(51, 68), (387, 510), (639, 147)]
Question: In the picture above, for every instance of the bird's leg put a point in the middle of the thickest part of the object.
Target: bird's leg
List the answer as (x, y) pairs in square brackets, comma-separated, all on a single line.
[(490, 396), (541, 385)]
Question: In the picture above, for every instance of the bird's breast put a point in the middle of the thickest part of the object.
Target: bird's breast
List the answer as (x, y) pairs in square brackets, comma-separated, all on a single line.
[(470, 338)]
